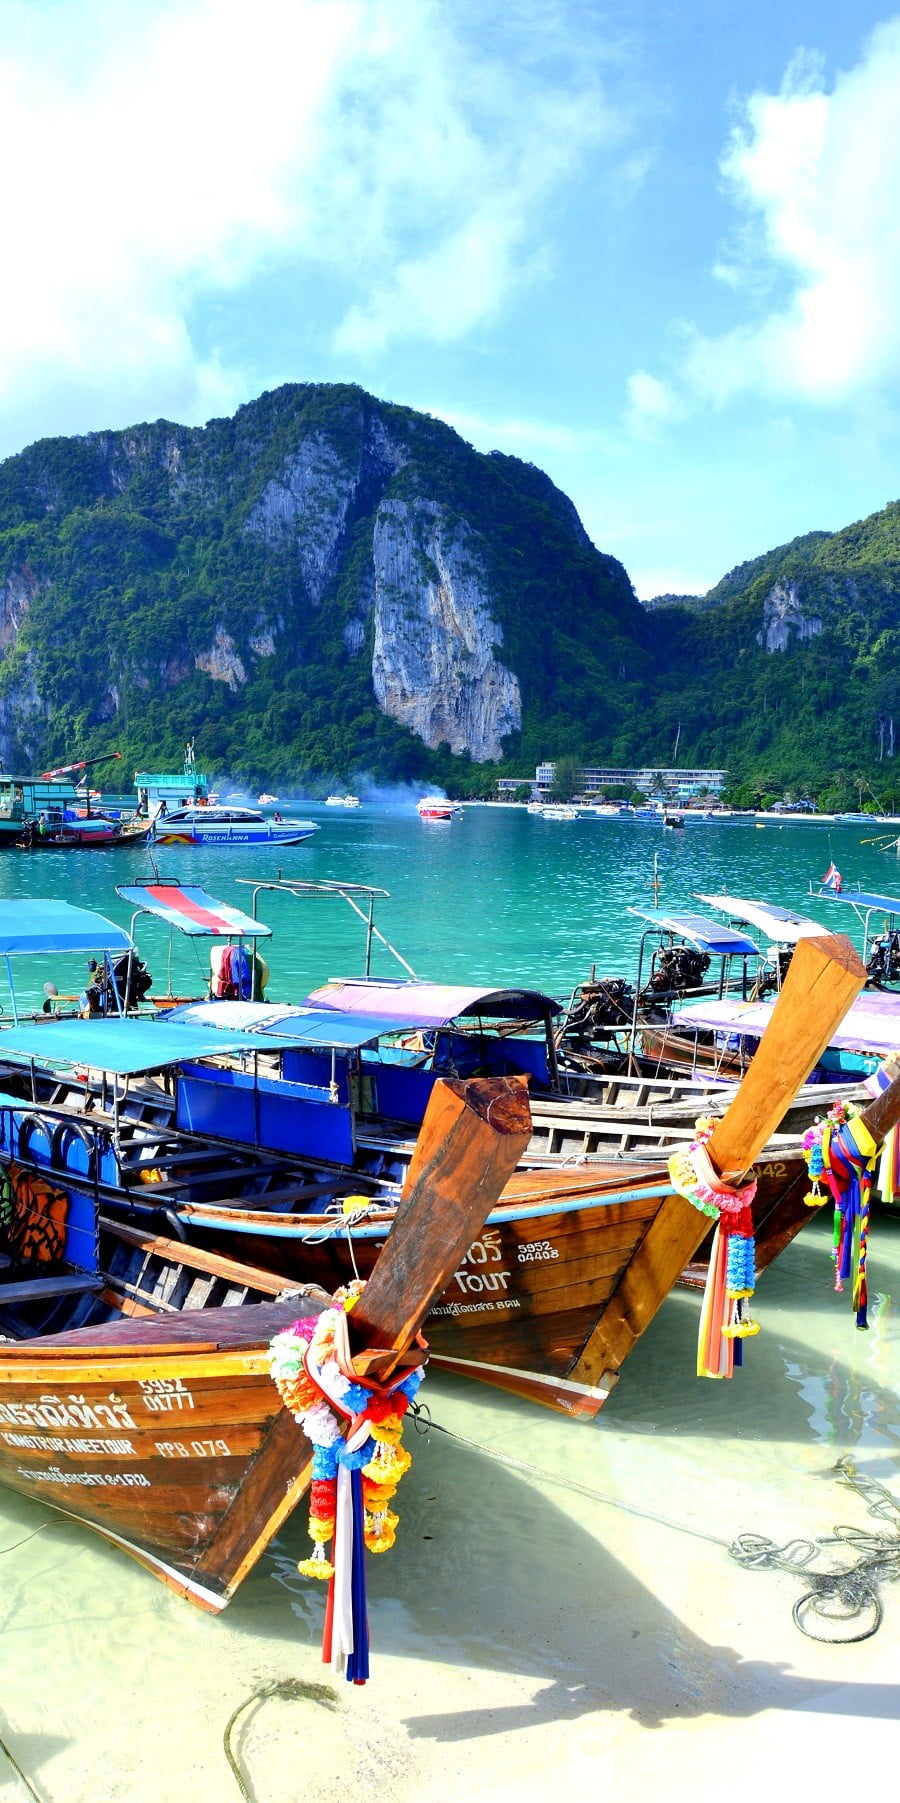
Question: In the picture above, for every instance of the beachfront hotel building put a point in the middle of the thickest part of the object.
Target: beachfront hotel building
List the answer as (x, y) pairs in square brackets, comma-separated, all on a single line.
[(593, 779)]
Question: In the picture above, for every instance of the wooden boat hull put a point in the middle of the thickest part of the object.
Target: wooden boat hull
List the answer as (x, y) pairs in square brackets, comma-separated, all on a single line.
[(162, 1427), (169, 1439), (533, 1289)]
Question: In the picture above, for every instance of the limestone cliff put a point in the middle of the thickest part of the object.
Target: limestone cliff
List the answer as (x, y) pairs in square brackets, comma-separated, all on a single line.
[(324, 581)]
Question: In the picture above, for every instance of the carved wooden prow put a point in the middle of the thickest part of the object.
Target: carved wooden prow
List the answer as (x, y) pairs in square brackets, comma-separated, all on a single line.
[(471, 1140), (824, 977)]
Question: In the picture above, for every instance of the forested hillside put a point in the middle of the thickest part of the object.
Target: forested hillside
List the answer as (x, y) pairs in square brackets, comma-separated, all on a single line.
[(322, 585), (327, 586), (787, 671)]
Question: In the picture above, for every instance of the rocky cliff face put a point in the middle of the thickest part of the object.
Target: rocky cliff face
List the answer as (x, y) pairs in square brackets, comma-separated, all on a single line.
[(783, 615), (318, 563), (434, 666)]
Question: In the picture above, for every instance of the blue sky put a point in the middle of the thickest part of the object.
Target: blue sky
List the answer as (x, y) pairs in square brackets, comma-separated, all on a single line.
[(652, 246)]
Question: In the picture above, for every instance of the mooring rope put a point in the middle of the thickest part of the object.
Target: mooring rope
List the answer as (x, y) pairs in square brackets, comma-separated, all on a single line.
[(840, 1596), (289, 1690)]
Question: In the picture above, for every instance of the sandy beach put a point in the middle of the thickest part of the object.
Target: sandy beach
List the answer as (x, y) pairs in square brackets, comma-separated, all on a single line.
[(526, 1636)]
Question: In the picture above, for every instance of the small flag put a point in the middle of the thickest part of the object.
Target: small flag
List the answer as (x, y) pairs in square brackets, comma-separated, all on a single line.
[(832, 879)]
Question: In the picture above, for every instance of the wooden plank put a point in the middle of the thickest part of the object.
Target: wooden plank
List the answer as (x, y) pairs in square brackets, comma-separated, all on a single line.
[(472, 1137), (808, 1011), (31, 1289), (193, 1258), (824, 977)]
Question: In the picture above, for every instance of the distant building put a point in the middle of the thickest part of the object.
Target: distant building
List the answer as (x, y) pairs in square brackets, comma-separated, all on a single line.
[(592, 779)]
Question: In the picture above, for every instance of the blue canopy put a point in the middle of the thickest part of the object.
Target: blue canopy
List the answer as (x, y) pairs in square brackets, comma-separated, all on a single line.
[(56, 926), (124, 1047), (889, 904), (286, 1025), (707, 935)]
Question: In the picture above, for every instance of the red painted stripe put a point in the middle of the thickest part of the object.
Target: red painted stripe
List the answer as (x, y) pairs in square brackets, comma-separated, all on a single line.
[(180, 904)]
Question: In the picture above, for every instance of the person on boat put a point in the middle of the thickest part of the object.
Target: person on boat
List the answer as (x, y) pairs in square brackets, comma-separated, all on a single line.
[(91, 999)]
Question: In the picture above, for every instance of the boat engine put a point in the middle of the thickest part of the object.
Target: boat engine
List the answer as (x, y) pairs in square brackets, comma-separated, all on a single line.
[(126, 976), (599, 1007), (884, 960), (676, 969)]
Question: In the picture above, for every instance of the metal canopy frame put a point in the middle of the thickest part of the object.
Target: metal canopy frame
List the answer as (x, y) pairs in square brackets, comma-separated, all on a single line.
[(864, 904), (68, 930), (348, 892), (669, 928)]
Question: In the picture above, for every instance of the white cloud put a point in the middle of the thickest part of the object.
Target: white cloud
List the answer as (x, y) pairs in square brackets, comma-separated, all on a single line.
[(650, 403), (518, 437), (815, 176), (163, 152)]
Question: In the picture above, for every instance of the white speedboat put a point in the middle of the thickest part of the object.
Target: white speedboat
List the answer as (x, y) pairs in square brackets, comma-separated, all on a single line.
[(228, 826), (436, 807)]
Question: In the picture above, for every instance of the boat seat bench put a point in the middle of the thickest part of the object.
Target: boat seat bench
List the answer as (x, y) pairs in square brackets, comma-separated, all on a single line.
[(32, 1289)]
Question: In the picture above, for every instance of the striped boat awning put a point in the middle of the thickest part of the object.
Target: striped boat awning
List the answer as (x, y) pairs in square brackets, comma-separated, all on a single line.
[(192, 911)]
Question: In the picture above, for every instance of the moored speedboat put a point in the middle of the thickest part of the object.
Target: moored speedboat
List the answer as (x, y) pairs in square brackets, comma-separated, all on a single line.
[(434, 807), (227, 826)]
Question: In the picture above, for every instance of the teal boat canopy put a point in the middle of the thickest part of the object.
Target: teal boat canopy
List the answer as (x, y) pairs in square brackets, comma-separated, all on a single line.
[(706, 935), (126, 1047), (289, 1024), (57, 926)]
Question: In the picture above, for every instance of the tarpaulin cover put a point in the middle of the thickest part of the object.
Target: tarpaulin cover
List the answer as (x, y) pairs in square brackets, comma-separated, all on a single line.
[(872, 1024), (286, 1025), (122, 1047), (416, 1004), (56, 926), (192, 911)]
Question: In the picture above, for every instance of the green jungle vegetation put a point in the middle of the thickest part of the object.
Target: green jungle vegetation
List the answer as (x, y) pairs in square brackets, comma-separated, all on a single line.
[(126, 555)]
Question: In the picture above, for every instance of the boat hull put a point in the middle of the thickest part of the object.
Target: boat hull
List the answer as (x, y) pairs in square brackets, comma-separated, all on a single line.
[(168, 1438), (532, 1292), (267, 835)]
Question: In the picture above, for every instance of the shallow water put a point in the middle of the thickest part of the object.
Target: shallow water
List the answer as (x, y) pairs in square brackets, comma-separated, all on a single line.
[(498, 896), (525, 1635)]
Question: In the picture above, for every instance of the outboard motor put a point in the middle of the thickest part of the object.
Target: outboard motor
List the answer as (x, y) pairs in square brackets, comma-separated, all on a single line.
[(884, 960), (125, 977), (601, 1006), (677, 968)]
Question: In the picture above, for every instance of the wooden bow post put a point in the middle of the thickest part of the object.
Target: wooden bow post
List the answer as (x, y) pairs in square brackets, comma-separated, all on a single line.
[(824, 977)]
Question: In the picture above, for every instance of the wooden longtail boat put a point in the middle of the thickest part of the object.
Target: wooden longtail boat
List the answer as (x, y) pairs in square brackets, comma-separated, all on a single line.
[(155, 1420), (554, 1293), (529, 1302)]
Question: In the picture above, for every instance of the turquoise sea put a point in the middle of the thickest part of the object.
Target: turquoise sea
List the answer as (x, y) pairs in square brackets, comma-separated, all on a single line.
[(571, 1621), (498, 896)]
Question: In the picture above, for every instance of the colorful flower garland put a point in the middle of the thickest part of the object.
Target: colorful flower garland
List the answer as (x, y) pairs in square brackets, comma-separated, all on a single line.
[(841, 1152), (355, 1428), (731, 1279)]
